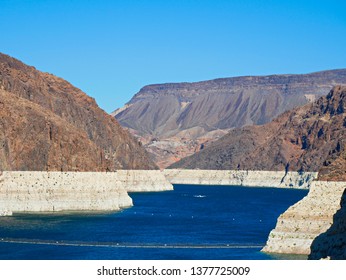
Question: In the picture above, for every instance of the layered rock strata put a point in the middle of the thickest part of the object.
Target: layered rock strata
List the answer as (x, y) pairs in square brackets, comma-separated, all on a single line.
[(280, 179), (25, 191), (297, 227)]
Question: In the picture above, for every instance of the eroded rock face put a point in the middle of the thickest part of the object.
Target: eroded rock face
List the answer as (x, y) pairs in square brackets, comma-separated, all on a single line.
[(307, 226), (332, 243), (176, 120), (37, 191), (143, 180), (48, 124), (23, 191), (275, 179), (308, 138)]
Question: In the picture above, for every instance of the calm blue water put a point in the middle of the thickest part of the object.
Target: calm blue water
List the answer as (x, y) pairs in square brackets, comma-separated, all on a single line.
[(190, 218)]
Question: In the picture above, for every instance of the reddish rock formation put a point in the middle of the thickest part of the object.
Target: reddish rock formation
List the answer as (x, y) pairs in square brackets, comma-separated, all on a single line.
[(48, 124), (176, 120), (308, 138)]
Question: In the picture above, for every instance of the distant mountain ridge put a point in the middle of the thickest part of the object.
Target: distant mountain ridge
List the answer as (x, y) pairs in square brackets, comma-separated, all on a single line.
[(308, 138), (175, 120), (48, 124)]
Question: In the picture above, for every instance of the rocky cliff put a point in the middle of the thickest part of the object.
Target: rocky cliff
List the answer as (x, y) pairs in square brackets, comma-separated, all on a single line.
[(48, 124), (315, 225), (332, 243), (308, 138), (177, 120)]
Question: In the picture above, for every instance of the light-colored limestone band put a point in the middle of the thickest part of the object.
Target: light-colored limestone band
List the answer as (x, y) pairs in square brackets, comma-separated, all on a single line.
[(280, 179), (304, 221), (23, 191), (143, 180)]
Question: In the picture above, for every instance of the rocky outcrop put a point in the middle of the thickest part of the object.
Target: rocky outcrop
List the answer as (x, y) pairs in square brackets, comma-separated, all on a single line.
[(335, 167), (305, 221), (308, 138), (48, 124), (277, 179), (27, 191), (176, 120)]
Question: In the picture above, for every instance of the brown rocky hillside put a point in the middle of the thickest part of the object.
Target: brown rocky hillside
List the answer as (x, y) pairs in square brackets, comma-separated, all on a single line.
[(48, 124), (308, 138), (176, 120)]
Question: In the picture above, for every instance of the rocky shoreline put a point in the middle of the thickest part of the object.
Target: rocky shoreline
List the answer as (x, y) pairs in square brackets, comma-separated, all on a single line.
[(35, 191), (47, 191), (277, 179), (307, 220), (315, 225)]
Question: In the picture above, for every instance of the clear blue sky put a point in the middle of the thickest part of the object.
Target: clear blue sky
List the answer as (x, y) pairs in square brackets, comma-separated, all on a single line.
[(110, 49)]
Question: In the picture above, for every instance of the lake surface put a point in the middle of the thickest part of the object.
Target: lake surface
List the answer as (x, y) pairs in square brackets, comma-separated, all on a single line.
[(191, 222)]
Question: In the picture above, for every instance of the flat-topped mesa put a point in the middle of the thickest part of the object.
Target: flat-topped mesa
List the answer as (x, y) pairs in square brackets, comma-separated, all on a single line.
[(176, 120), (165, 109)]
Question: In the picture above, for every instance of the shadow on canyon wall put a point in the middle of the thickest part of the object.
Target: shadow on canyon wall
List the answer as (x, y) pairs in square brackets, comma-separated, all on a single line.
[(332, 243)]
